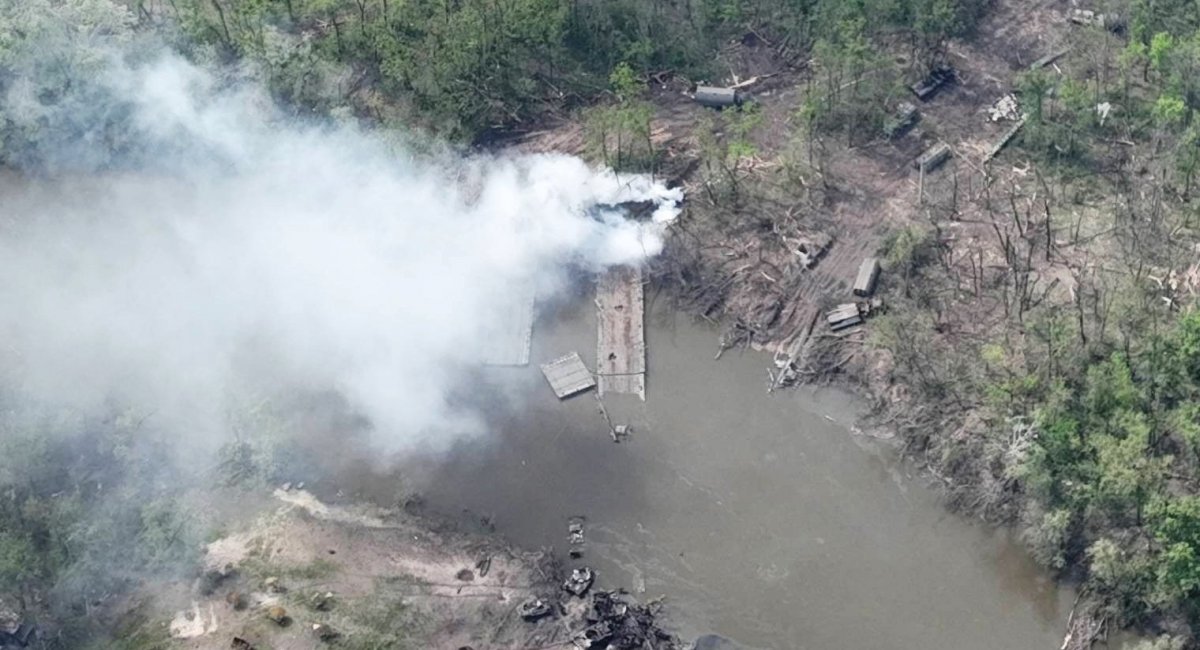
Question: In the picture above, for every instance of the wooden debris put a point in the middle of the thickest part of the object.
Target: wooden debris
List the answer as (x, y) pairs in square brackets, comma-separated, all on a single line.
[(752, 80), (1048, 59)]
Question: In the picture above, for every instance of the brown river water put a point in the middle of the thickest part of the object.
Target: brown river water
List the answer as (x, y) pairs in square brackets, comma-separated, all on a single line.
[(761, 517)]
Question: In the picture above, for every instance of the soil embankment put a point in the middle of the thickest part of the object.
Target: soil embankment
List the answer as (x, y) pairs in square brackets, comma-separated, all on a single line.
[(310, 575)]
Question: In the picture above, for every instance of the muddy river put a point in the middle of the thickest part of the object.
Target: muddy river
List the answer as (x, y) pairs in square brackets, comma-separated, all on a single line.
[(761, 517)]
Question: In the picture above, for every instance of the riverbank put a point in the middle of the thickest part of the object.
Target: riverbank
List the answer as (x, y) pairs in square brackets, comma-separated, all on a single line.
[(761, 517), (308, 574)]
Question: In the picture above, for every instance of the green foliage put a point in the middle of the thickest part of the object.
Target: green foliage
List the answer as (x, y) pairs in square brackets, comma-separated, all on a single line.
[(1099, 456), (1169, 111), (383, 620), (1176, 526), (1048, 536), (52, 54), (619, 133), (852, 85), (726, 146), (1164, 642)]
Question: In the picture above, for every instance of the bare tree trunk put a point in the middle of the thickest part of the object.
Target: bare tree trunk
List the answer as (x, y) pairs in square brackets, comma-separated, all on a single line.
[(224, 25)]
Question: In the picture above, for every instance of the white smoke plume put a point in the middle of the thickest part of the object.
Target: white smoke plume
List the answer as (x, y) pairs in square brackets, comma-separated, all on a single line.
[(241, 247)]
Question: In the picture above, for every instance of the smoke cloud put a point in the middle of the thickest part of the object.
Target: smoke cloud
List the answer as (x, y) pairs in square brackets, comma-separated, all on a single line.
[(233, 248)]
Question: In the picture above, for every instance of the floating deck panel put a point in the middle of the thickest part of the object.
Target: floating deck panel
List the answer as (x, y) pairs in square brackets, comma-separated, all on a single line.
[(567, 375), (621, 335), (510, 332)]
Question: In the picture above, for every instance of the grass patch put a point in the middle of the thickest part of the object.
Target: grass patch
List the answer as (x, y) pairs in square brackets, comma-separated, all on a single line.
[(383, 620), (136, 631)]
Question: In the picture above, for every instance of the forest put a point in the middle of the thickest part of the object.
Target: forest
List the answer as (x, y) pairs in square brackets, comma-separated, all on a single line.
[(1042, 332)]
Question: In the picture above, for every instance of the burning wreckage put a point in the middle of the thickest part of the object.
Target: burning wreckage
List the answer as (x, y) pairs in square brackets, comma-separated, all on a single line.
[(598, 619), (580, 581), (617, 623), (575, 539)]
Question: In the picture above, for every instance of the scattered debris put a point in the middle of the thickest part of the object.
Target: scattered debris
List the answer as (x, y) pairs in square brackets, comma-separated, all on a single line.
[(322, 602), (868, 275), (272, 585), (901, 121), (277, 615), (580, 581), (621, 432), (211, 579), (873, 307), (483, 565), (323, 632), (616, 622), (716, 97), (236, 600), (533, 609), (238, 643), (568, 376), (575, 539), (598, 633), (809, 247), (937, 77), (194, 622), (1048, 59), (933, 157), (1089, 18), (1006, 108)]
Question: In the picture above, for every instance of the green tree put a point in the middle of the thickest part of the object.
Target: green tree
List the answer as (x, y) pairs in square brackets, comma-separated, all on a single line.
[(1128, 473), (1176, 526), (621, 132)]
